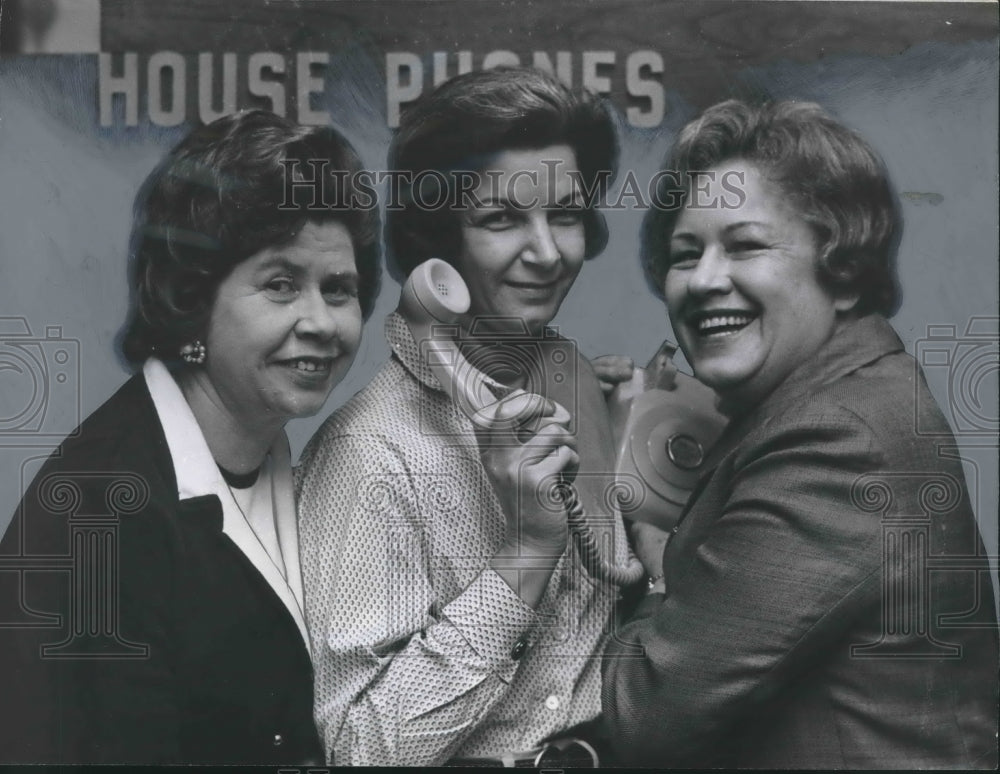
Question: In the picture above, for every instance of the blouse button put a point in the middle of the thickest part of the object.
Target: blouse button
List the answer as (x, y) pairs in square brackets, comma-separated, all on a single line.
[(552, 702), (518, 650)]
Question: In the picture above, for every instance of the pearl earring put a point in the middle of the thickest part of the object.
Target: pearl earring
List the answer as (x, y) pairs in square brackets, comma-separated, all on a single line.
[(193, 353)]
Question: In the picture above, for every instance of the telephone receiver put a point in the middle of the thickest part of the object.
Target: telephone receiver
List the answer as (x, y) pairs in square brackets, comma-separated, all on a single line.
[(433, 299), (665, 422)]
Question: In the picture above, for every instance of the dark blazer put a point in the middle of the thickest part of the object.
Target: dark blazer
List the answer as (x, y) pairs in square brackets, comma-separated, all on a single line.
[(182, 653), (828, 602)]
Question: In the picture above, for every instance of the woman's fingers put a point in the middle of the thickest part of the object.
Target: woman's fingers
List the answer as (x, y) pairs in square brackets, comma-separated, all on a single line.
[(522, 407), (549, 436), (526, 446), (547, 452), (524, 440), (512, 411), (519, 416), (648, 543), (562, 459), (611, 370)]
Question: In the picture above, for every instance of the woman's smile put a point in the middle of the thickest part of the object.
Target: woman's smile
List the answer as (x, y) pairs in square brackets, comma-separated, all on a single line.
[(538, 291), (309, 371), (285, 326), (523, 243), (311, 364), (743, 290), (713, 324)]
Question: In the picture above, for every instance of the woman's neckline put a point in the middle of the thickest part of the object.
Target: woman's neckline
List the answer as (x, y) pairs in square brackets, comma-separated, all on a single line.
[(239, 480)]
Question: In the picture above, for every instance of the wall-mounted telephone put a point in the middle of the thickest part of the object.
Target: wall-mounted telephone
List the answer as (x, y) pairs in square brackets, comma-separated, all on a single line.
[(664, 423), (657, 416)]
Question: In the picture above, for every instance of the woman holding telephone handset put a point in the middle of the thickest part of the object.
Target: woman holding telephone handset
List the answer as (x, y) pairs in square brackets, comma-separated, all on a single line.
[(452, 618)]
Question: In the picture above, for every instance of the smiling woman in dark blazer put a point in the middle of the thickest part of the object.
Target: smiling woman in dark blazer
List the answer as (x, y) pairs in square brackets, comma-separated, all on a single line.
[(793, 620), (179, 637)]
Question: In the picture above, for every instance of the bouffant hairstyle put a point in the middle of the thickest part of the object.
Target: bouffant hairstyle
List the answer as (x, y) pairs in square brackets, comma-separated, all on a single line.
[(223, 194), (467, 121), (834, 178)]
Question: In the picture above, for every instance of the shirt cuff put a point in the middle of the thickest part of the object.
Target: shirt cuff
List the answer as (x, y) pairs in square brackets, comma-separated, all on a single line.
[(495, 622)]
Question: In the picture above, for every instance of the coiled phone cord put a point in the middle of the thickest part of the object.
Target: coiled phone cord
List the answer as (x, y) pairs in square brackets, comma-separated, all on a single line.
[(590, 552), (436, 293)]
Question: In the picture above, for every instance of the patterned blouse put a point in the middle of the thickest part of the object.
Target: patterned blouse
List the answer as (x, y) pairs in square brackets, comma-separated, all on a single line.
[(422, 652)]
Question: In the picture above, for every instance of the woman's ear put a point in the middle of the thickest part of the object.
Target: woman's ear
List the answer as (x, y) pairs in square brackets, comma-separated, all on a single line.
[(844, 301), (845, 267), (595, 232)]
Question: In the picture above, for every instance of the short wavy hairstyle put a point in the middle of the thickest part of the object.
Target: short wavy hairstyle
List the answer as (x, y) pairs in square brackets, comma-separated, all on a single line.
[(835, 179), (466, 122), (218, 198)]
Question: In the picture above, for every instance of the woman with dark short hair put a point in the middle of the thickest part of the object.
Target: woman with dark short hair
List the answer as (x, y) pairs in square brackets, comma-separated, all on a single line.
[(471, 119), (170, 630), (452, 618), (796, 617)]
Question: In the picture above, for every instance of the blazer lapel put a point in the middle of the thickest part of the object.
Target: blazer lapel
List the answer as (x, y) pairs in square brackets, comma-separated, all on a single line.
[(287, 526), (703, 505), (236, 527), (861, 342), (198, 475)]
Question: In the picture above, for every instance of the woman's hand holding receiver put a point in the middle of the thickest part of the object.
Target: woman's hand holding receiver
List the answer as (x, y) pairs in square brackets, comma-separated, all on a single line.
[(649, 543), (526, 446), (612, 370)]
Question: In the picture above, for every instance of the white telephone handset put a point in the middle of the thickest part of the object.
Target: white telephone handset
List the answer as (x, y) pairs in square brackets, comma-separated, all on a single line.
[(433, 299)]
